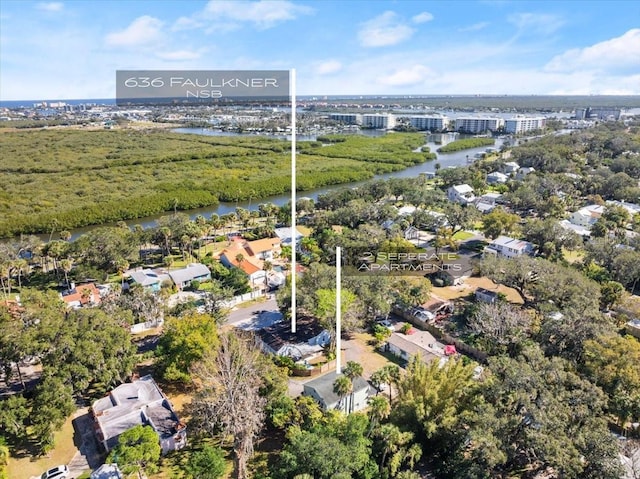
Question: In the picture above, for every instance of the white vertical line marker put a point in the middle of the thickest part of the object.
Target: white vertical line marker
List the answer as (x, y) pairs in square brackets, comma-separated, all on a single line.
[(338, 306), (292, 89)]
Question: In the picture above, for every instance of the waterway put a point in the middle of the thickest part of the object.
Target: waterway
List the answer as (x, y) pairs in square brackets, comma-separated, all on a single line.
[(448, 160)]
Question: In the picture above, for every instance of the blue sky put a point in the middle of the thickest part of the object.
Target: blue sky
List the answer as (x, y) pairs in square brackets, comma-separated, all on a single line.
[(71, 49)]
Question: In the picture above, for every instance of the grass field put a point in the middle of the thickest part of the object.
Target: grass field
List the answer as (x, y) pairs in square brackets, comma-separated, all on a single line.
[(28, 466)]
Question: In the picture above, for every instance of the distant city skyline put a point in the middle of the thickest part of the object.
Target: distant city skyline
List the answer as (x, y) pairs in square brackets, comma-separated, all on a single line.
[(72, 49)]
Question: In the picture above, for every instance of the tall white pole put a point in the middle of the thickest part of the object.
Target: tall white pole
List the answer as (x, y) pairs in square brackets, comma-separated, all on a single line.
[(292, 87), (338, 307)]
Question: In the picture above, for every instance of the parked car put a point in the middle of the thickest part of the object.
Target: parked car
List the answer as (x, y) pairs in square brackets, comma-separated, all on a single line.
[(58, 472), (387, 324), (424, 315)]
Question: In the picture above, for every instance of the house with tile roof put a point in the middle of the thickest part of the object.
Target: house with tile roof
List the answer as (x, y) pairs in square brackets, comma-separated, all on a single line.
[(264, 249), (81, 295), (236, 256)]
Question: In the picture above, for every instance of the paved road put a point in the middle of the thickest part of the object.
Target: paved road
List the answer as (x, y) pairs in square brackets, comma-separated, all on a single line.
[(249, 316)]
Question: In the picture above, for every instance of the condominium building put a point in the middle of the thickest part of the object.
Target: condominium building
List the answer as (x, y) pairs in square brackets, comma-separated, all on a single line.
[(523, 124), (379, 121), (431, 123), (347, 118), (478, 125)]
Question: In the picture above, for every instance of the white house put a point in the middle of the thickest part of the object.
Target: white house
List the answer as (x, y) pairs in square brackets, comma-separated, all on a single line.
[(496, 177), (510, 167), (140, 402), (581, 230), (284, 234), (632, 208), (321, 389), (586, 216), (462, 194), (509, 247)]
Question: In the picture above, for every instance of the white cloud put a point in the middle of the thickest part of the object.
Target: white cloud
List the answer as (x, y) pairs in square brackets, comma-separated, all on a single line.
[(423, 17), (143, 30), (179, 55), (414, 75), (475, 27), (384, 30), (617, 54), (538, 23), (50, 6), (327, 67), (264, 13)]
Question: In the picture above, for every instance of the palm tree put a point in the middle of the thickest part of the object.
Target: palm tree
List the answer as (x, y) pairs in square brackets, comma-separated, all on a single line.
[(379, 410), (342, 386), (267, 266), (215, 222), (66, 265), (166, 237), (352, 370)]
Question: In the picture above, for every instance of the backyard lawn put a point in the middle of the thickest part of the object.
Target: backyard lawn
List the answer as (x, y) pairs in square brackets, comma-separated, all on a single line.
[(27, 466)]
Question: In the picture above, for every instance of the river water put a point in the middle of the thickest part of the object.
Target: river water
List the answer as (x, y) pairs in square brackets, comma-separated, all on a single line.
[(446, 160)]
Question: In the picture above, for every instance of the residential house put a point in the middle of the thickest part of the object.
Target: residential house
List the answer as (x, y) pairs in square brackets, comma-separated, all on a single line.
[(81, 295), (510, 167), (284, 235), (263, 249), (307, 342), (238, 257), (462, 194), (438, 220), (321, 389), (486, 296), (632, 208), (451, 271), (524, 171), (509, 247), (411, 233), (419, 343), (496, 177), (193, 272), (586, 216), (140, 402), (488, 202), (146, 278), (581, 230)]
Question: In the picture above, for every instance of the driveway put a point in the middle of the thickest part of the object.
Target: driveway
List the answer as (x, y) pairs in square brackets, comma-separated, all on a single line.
[(87, 457), (252, 316)]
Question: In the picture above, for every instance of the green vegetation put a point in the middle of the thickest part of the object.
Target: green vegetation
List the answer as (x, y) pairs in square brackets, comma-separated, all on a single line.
[(466, 144), (65, 179)]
